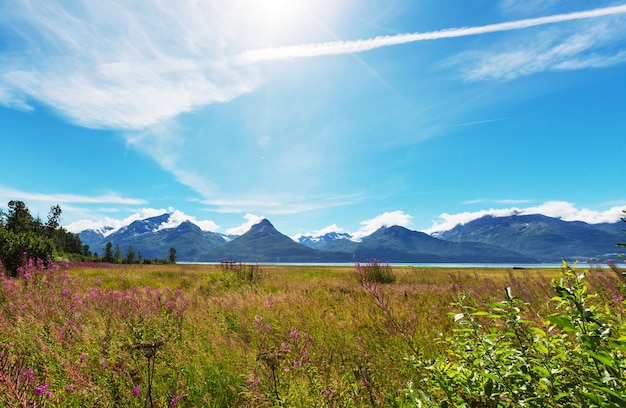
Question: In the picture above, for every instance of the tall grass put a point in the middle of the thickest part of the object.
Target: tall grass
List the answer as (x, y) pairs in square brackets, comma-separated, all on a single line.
[(189, 335)]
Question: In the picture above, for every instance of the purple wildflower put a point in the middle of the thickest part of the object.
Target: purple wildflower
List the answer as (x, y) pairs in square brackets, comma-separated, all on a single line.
[(40, 389), (174, 400)]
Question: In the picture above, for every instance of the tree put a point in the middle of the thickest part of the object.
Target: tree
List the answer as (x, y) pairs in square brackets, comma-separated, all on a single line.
[(22, 237), (172, 255), (54, 218), (16, 247), (117, 253), (19, 219), (622, 244), (108, 253), (130, 255)]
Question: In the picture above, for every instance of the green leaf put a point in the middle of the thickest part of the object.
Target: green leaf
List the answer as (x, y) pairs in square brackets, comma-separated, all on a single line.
[(492, 377), (562, 321), (541, 371), (561, 395), (619, 344), (541, 348), (537, 330), (488, 387), (615, 395), (602, 358)]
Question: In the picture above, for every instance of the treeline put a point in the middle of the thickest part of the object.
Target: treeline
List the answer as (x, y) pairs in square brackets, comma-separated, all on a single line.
[(114, 255), (23, 236)]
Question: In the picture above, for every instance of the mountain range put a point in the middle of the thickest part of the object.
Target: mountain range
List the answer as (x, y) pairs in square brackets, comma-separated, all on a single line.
[(512, 239), (544, 238)]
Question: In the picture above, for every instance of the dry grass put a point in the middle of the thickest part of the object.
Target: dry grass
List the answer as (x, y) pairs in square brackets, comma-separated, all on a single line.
[(284, 335)]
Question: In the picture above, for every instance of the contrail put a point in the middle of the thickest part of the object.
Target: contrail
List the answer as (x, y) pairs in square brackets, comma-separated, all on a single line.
[(348, 47)]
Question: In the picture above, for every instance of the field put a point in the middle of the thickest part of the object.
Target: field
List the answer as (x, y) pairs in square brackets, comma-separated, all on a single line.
[(301, 336)]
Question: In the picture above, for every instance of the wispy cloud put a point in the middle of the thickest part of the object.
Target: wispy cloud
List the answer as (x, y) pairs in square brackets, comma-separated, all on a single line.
[(526, 7), (350, 47), (9, 193), (558, 209), (584, 46), (500, 201), (114, 65), (474, 123), (279, 203)]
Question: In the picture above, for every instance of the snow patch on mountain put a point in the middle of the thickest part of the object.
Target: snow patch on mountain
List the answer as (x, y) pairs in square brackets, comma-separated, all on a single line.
[(554, 209)]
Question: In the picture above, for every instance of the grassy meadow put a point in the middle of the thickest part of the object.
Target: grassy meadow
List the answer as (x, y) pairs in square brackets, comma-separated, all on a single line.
[(299, 336)]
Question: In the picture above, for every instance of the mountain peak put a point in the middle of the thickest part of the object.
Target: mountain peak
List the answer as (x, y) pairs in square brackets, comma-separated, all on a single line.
[(262, 226)]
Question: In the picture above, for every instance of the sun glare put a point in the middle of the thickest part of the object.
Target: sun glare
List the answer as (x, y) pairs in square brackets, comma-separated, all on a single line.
[(276, 10), (277, 17)]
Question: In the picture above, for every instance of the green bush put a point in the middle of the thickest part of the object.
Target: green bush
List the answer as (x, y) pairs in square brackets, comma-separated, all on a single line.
[(374, 272), (501, 357), (15, 247)]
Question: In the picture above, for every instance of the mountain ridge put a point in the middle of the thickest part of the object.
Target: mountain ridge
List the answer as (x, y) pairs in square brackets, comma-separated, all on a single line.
[(512, 239)]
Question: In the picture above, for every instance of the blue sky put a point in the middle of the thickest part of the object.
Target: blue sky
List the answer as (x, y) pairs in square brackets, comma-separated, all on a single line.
[(318, 115)]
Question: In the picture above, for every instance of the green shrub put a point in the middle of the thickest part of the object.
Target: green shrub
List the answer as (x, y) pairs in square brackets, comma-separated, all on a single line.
[(374, 272), (500, 357)]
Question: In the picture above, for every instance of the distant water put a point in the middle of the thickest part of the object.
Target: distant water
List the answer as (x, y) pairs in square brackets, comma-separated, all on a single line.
[(432, 265)]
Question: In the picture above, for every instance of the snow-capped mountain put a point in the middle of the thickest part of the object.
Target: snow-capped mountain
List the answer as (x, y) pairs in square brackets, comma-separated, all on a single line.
[(517, 238), (319, 241), (152, 237)]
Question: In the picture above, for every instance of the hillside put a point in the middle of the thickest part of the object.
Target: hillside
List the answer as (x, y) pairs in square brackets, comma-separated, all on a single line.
[(543, 238), (514, 239), (263, 243), (149, 238), (399, 244)]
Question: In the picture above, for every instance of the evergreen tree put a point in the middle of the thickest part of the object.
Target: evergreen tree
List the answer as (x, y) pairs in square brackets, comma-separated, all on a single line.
[(117, 254), (130, 255), (108, 253), (19, 219)]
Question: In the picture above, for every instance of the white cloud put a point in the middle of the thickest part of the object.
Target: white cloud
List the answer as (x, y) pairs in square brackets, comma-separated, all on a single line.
[(120, 65), (129, 66), (328, 230), (320, 232), (526, 7), (386, 219), (279, 203), (582, 46), (556, 209), (350, 47), (114, 223), (176, 218), (60, 198), (501, 201), (251, 219)]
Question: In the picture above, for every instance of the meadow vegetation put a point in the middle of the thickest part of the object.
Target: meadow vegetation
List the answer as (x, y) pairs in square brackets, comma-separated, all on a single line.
[(98, 335)]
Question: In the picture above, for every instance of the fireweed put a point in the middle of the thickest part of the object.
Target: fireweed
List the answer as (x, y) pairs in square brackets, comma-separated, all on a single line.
[(82, 343), (319, 339)]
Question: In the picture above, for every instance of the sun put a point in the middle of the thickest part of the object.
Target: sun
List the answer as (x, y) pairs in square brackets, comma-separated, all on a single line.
[(276, 18), (277, 10)]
